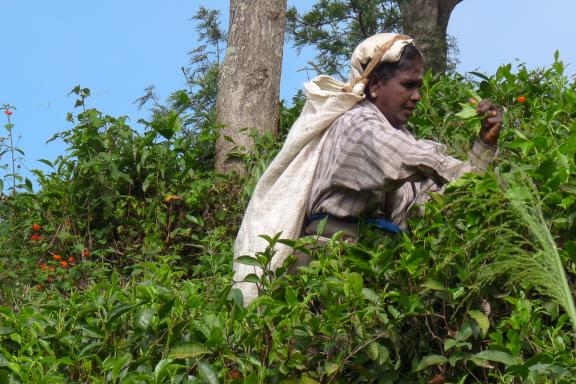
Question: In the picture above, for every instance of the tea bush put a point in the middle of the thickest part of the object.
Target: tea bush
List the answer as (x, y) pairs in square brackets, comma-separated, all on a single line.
[(473, 293)]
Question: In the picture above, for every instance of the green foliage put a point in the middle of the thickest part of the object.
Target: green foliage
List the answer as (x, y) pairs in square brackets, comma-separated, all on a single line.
[(195, 105), (478, 291), (8, 146), (351, 20), (335, 27), (528, 255)]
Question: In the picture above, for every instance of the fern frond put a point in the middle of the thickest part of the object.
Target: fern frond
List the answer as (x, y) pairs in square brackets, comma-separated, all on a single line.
[(524, 249)]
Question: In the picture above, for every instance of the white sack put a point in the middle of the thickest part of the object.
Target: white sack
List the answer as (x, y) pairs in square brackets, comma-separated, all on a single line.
[(281, 196)]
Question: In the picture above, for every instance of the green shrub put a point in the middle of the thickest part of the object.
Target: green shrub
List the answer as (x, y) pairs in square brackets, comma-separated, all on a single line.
[(148, 298)]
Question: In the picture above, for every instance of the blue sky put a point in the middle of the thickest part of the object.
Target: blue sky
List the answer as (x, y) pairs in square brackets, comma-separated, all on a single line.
[(117, 48)]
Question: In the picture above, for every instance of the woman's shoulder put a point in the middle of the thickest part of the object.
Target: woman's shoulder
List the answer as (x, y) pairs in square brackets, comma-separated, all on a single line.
[(358, 123), (359, 113)]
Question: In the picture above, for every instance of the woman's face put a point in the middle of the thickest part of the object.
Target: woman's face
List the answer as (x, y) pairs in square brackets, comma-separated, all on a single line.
[(398, 97)]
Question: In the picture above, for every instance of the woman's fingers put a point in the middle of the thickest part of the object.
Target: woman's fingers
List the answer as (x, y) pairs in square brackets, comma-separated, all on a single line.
[(488, 108), (491, 121)]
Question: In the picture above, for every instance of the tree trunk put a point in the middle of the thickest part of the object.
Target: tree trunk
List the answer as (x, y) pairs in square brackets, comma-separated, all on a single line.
[(249, 84), (427, 21)]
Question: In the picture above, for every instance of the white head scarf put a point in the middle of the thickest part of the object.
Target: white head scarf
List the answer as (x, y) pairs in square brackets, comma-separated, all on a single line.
[(369, 49)]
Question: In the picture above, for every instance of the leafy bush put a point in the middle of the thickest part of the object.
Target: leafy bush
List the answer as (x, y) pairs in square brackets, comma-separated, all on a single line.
[(146, 298)]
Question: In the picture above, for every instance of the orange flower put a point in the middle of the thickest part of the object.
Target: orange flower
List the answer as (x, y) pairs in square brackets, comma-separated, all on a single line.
[(71, 259), (57, 257), (35, 237), (521, 99), (35, 227), (64, 264), (43, 267), (86, 252)]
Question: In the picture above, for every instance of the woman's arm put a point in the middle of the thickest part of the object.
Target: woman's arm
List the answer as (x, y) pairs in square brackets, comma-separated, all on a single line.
[(372, 155)]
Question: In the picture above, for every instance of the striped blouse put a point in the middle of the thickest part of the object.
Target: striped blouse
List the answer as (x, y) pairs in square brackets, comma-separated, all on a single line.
[(369, 168)]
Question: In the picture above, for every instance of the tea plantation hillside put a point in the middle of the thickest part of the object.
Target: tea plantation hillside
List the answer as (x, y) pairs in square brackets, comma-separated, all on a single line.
[(118, 269)]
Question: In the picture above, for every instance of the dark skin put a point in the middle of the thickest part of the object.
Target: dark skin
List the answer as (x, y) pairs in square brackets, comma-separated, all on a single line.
[(397, 97), (491, 122)]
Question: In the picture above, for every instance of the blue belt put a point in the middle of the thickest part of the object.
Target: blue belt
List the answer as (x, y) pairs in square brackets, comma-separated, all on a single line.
[(384, 224)]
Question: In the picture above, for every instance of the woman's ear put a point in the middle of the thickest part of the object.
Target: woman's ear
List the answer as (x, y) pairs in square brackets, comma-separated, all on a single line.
[(373, 87)]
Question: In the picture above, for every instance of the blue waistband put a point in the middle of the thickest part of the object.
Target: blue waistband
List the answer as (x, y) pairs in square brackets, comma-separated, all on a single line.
[(381, 223)]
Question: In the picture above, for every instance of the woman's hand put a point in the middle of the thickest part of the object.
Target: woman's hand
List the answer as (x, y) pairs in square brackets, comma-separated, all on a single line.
[(491, 122)]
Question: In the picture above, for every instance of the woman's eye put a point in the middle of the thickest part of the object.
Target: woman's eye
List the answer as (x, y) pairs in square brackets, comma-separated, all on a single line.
[(412, 84)]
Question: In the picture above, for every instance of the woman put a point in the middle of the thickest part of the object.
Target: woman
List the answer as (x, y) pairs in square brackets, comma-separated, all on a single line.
[(370, 164), (349, 157)]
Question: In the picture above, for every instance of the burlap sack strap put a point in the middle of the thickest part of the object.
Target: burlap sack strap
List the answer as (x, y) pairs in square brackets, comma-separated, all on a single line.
[(374, 62)]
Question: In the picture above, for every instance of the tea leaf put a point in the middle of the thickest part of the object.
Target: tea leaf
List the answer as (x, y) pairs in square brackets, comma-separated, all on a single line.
[(187, 350), (467, 112), (481, 319), (430, 360), (207, 372), (248, 260), (144, 318), (331, 368), (498, 356)]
